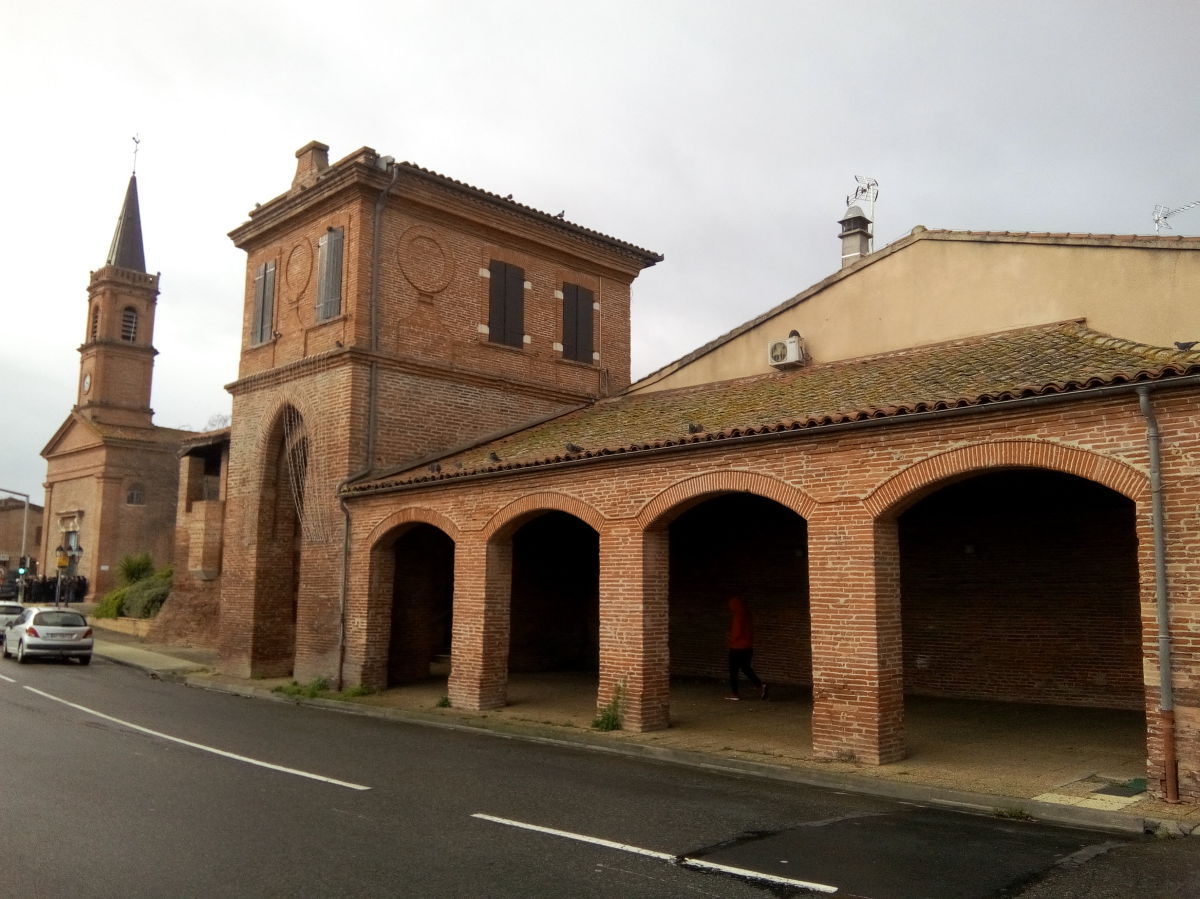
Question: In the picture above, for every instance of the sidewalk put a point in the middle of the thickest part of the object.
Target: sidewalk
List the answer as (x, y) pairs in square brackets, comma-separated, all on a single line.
[(1073, 767)]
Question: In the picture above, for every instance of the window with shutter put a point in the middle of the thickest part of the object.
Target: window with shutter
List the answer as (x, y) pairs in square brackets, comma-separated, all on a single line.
[(264, 304), (329, 274), (577, 323), (506, 317), (129, 324), (95, 332)]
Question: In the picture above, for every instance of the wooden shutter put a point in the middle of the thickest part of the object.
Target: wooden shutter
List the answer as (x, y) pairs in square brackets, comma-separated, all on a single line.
[(577, 323), (264, 303), (514, 306), (329, 274), (570, 340), (584, 314), (506, 304)]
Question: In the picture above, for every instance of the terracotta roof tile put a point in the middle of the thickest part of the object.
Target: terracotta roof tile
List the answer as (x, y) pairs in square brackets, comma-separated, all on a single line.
[(1031, 362)]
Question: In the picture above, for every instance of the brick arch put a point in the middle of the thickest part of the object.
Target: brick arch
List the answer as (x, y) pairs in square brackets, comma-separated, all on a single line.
[(542, 502), (727, 482), (262, 440), (913, 481), (412, 515)]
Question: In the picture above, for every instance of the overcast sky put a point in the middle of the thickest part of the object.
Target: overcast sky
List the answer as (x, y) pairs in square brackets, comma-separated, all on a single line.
[(724, 135)]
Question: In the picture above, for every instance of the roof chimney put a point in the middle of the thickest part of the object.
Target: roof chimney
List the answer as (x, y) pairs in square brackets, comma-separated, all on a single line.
[(856, 225), (856, 235), (311, 160)]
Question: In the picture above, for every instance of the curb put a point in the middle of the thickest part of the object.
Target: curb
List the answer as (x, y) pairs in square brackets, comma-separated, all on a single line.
[(958, 800)]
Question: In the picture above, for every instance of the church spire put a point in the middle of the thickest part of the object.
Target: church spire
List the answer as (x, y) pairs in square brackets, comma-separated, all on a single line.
[(126, 250)]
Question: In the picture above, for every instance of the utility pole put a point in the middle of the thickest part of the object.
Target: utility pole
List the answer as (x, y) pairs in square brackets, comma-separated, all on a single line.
[(24, 531)]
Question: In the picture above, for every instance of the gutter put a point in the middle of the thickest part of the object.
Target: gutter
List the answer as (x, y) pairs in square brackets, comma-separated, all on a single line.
[(836, 427), (372, 414), (1166, 710)]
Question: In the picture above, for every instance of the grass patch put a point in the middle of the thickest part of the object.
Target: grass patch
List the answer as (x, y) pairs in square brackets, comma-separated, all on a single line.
[(609, 717), (444, 702), (1012, 813), (314, 689)]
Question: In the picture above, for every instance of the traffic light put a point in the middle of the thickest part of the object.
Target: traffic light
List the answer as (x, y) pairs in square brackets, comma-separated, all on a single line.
[(22, 565)]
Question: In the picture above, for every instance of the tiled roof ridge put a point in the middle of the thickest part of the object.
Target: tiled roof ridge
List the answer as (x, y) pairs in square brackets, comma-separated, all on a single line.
[(1148, 351), (591, 232), (1057, 235)]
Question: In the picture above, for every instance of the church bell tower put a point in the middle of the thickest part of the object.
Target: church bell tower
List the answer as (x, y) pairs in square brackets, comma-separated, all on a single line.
[(117, 358)]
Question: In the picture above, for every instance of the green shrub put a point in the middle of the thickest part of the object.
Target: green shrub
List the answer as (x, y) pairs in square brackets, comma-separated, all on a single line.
[(135, 567), (609, 717), (145, 597), (112, 605)]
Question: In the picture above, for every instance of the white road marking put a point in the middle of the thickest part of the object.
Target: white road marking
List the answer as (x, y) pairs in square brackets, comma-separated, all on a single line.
[(9, 679), (201, 746), (682, 860)]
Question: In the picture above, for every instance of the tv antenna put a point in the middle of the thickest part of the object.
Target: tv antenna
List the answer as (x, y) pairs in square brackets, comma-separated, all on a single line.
[(864, 194), (1162, 213)]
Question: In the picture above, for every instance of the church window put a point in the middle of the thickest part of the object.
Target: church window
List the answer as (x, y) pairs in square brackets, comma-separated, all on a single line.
[(129, 324), (264, 303), (577, 323), (329, 274), (506, 314), (95, 329), (136, 495)]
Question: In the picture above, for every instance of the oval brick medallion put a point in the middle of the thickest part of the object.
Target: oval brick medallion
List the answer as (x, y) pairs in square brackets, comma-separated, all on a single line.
[(425, 264), (298, 270)]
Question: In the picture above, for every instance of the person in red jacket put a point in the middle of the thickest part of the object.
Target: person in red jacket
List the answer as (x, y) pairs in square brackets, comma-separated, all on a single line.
[(741, 648)]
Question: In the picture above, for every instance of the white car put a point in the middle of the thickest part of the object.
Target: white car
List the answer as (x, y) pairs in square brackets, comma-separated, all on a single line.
[(47, 631), (9, 612)]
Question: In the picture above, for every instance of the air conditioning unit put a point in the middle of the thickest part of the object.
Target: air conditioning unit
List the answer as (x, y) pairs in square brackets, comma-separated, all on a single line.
[(786, 352)]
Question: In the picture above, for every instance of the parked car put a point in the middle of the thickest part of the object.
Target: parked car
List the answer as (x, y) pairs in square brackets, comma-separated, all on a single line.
[(9, 612), (42, 631)]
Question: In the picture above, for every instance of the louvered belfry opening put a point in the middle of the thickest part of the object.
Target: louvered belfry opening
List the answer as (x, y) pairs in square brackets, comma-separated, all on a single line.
[(129, 324)]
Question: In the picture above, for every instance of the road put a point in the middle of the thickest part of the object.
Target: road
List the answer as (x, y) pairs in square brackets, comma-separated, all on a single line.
[(121, 785)]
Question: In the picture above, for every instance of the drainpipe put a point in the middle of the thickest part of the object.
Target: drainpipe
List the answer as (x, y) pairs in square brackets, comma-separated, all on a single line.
[(1166, 688), (372, 408)]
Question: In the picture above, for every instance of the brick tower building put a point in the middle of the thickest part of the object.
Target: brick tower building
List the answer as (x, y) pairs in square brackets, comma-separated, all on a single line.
[(390, 313), (112, 474)]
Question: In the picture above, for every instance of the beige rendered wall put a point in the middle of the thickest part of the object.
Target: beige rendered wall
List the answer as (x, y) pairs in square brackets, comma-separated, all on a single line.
[(934, 290)]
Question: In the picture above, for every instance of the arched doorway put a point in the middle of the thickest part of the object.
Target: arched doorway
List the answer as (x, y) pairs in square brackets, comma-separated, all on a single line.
[(750, 546), (1020, 595), (279, 545), (554, 618), (422, 605)]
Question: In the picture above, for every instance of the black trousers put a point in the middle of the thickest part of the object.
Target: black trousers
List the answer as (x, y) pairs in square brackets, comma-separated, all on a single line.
[(739, 662)]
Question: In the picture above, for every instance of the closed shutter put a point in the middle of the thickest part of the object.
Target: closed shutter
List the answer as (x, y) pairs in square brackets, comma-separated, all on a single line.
[(264, 303), (506, 304), (329, 274), (577, 323)]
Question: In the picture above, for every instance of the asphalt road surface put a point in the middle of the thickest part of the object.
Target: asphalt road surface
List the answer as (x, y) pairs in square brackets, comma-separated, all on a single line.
[(117, 784)]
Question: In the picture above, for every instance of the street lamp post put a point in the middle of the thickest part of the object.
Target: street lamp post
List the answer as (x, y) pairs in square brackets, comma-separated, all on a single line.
[(61, 561)]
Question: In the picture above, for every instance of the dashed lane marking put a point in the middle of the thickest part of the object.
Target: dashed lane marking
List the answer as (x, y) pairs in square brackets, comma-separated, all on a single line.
[(201, 746), (681, 860)]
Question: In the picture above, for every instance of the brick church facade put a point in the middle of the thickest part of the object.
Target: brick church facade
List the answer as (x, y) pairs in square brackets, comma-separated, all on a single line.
[(112, 475), (972, 470)]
